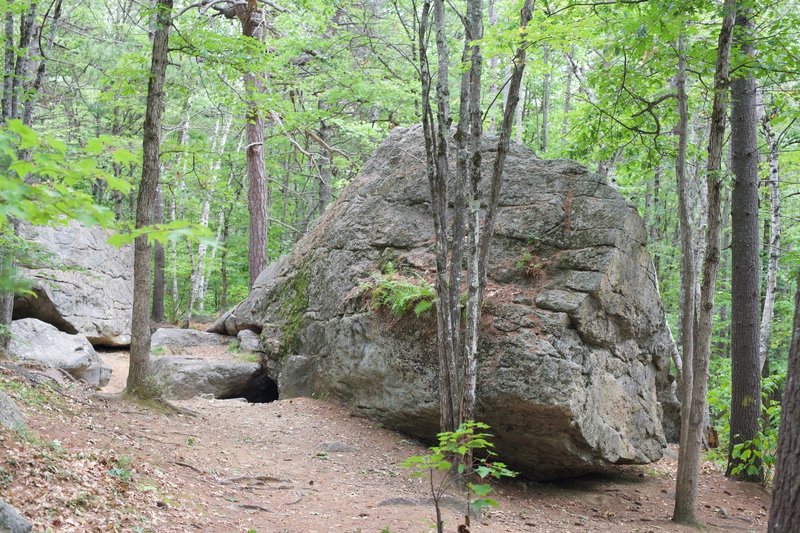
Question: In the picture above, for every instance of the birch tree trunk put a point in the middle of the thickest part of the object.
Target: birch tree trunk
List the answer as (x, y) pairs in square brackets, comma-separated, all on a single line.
[(774, 240)]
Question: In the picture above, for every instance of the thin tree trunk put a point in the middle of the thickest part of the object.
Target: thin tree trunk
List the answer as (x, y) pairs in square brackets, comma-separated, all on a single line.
[(490, 129), (8, 63), (784, 515), (692, 435), (774, 240), (138, 376), (22, 58), (546, 100), (324, 167), (688, 272), (33, 91), (745, 414), (567, 95), (159, 285)]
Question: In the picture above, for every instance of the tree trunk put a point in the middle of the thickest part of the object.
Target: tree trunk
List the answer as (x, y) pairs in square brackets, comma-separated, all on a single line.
[(692, 435), (33, 90), (774, 239), (22, 53), (8, 63), (546, 100), (567, 95), (324, 167), (688, 274), (159, 285), (138, 376), (745, 413), (785, 512), (258, 191)]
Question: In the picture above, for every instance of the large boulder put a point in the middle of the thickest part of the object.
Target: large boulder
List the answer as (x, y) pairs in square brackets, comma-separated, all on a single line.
[(86, 287), (34, 340), (574, 354), (186, 377)]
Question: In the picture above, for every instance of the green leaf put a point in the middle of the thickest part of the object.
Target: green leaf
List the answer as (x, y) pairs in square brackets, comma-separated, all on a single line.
[(480, 489)]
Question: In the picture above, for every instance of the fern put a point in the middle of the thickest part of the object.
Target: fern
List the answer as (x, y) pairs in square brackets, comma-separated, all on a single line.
[(402, 295)]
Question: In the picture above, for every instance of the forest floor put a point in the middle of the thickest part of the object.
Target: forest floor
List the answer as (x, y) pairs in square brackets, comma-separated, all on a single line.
[(299, 465)]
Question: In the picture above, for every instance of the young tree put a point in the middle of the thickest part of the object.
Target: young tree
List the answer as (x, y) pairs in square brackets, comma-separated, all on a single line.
[(138, 384), (692, 421), (785, 512), (457, 342), (745, 413)]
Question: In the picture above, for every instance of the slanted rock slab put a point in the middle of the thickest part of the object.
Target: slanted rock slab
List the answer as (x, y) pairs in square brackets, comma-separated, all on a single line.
[(575, 351), (34, 340), (10, 416), (11, 521), (176, 339), (86, 286), (185, 377)]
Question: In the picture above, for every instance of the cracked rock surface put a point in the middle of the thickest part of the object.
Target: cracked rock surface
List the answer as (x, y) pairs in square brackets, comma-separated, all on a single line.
[(85, 285), (575, 351)]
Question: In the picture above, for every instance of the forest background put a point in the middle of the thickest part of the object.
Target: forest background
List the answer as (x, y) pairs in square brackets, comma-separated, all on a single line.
[(329, 80)]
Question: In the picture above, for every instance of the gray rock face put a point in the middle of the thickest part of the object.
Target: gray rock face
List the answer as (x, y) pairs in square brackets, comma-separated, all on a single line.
[(574, 354), (10, 417), (173, 340), (35, 340), (11, 521), (249, 341), (186, 377), (89, 289)]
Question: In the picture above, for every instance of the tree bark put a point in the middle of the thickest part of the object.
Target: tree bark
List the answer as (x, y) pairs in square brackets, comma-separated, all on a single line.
[(258, 189), (785, 512), (138, 376), (22, 53), (567, 95), (159, 260), (745, 412), (8, 63), (692, 435), (546, 100), (688, 272), (774, 239)]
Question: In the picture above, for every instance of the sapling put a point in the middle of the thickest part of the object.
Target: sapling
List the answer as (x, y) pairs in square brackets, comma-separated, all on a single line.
[(470, 473)]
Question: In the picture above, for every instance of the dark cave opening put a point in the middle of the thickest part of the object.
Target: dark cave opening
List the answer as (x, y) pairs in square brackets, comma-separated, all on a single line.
[(260, 388)]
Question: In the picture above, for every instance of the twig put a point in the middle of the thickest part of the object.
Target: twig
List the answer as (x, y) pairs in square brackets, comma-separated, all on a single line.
[(190, 467), (254, 507)]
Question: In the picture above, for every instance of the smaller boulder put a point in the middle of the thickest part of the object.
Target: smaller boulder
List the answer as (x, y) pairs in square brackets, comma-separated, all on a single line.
[(34, 340), (10, 417), (184, 378), (170, 339), (249, 341), (11, 521)]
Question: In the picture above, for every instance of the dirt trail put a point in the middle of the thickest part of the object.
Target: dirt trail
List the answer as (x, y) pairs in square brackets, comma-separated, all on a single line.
[(305, 465)]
